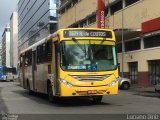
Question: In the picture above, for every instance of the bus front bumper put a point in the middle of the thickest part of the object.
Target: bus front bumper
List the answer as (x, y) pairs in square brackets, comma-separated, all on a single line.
[(2, 80), (66, 91)]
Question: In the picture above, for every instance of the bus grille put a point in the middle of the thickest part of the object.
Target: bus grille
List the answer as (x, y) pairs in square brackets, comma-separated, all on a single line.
[(90, 78)]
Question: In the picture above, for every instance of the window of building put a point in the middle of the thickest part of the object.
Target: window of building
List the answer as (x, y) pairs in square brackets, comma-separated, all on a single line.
[(53, 27), (86, 21), (119, 47), (152, 41), (133, 72), (106, 12), (74, 26), (92, 19), (7, 29), (132, 45), (62, 11), (116, 7), (83, 23), (68, 6), (75, 2), (53, 18), (54, 1), (154, 71), (129, 2), (71, 4), (119, 69)]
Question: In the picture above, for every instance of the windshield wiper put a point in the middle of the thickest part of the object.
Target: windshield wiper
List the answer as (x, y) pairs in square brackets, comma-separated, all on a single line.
[(102, 41), (78, 44)]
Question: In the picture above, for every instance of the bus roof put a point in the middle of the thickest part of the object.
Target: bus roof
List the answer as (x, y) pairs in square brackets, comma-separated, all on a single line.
[(60, 33), (34, 45)]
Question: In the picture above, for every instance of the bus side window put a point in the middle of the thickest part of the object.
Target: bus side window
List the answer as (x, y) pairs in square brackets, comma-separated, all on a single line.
[(29, 57), (49, 69), (38, 54), (49, 51), (21, 60), (26, 59), (43, 52)]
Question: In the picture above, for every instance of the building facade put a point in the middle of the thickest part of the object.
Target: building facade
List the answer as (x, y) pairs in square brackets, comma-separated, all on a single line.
[(36, 20), (136, 25), (14, 39), (0, 52), (6, 46)]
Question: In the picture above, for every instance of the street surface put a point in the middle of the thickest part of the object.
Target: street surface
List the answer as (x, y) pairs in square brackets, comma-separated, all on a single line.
[(16, 100)]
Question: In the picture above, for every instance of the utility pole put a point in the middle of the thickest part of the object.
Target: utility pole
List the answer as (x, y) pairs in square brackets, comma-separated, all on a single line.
[(123, 47)]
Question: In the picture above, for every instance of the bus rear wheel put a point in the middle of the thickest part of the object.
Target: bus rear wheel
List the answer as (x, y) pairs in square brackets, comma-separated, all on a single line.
[(30, 92), (97, 99)]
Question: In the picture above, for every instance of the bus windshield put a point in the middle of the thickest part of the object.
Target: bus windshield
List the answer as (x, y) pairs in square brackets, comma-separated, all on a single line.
[(11, 70), (1, 71), (88, 55)]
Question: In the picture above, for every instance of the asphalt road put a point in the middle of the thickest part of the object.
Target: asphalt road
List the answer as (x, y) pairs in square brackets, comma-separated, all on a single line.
[(15, 100)]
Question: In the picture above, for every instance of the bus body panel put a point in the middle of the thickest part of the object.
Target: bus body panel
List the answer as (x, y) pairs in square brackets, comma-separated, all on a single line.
[(84, 91), (41, 76), (81, 88)]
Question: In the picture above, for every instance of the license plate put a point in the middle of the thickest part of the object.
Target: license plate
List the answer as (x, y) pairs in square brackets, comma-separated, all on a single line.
[(92, 91)]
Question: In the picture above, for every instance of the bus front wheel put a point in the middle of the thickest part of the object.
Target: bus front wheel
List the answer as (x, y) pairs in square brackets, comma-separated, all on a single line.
[(97, 99), (50, 94)]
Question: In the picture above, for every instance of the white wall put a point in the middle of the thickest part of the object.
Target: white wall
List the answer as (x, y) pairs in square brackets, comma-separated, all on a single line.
[(8, 49), (14, 39)]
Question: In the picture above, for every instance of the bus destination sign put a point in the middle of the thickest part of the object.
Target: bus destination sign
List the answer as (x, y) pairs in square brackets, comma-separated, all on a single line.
[(87, 33)]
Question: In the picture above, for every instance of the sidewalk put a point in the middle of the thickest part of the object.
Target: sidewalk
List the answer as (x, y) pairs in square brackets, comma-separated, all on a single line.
[(144, 91)]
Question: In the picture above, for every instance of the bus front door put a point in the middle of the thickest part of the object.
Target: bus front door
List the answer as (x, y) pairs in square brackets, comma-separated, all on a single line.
[(56, 71)]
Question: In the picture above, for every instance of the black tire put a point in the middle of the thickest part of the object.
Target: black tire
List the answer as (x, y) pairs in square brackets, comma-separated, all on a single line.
[(12, 80), (30, 92), (97, 99), (51, 98), (157, 91), (125, 86)]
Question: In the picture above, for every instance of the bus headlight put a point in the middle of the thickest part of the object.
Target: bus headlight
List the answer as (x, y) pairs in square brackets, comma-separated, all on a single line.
[(3, 77), (66, 83), (112, 83)]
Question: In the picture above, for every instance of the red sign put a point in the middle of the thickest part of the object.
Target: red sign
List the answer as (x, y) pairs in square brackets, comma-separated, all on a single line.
[(101, 14), (151, 25)]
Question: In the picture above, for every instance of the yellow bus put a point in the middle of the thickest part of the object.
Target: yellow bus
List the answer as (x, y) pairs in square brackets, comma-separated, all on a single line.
[(72, 62)]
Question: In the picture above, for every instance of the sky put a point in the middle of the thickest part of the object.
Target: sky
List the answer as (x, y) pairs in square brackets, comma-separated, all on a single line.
[(6, 9)]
